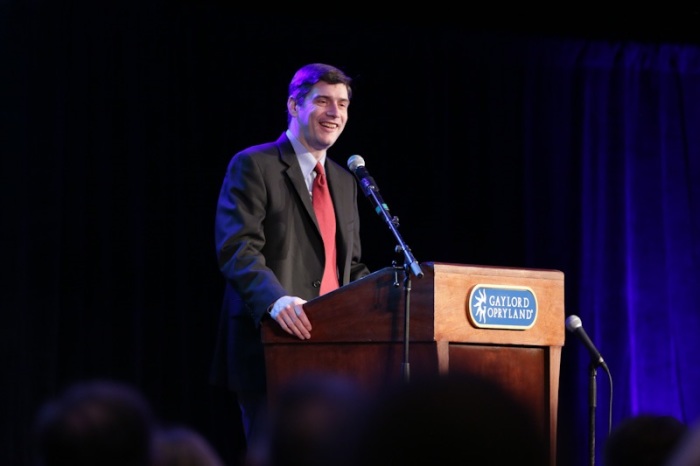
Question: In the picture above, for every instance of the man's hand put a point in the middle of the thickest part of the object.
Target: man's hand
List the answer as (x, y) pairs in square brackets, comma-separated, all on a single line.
[(289, 314)]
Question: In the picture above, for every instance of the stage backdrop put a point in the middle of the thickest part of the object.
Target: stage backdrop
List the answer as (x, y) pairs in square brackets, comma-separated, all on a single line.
[(527, 150)]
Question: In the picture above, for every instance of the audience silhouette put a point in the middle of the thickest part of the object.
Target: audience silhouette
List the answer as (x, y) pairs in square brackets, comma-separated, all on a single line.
[(643, 440), (110, 423), (311, 422), (687, 449), (453, 419), (98, 422), (181, 445)]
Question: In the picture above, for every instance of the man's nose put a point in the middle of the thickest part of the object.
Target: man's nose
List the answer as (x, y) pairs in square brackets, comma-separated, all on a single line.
[(333, 109)]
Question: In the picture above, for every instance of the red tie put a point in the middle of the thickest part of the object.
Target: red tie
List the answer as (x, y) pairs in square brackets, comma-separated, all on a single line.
[(323, 206)]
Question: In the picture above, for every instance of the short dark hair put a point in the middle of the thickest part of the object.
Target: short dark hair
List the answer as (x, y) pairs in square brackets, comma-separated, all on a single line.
[(644, 439), (95, 422), (308, 75)]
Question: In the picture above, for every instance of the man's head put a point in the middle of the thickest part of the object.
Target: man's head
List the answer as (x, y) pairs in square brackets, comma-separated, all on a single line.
[(96, 422), (308, 75), (317, 106)]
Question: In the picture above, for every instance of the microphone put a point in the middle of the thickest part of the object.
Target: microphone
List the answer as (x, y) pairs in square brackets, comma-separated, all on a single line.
[(573, 325), (356, 164)]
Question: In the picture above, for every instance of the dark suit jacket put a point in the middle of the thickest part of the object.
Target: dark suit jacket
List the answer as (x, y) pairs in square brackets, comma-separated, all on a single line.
[(269, 245)]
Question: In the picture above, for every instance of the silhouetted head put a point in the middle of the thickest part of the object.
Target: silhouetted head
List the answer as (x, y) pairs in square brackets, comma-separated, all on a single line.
[(93, 423), (643, 440), (455, 419)]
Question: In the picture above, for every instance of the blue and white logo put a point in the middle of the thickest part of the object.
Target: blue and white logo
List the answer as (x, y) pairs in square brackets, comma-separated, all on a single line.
[(506, 307)]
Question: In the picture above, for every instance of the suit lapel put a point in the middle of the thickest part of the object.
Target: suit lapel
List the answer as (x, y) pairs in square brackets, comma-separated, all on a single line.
[(289, 158), (339, 190)]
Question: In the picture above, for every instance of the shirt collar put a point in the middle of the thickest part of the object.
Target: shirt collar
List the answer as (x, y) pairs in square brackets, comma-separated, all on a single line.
[(306, 160)]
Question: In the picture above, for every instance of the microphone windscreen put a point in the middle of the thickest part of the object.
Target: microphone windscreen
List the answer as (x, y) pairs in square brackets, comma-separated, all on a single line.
[(572, 323), (355, 161)]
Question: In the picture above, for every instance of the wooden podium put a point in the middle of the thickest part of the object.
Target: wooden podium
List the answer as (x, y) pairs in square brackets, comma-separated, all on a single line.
[(358, 331)]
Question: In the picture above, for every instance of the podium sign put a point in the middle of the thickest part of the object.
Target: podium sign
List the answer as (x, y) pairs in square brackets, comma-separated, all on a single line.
[(502, 323)]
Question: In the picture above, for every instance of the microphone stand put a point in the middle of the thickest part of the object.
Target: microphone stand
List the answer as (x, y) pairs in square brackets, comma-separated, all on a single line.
[(592, 406), (411, 265), (393, 224)]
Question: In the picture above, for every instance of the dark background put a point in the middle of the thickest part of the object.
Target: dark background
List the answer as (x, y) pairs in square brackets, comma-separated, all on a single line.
[(118, 122)]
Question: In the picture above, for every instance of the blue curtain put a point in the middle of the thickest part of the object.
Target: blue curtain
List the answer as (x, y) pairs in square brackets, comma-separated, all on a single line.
[(622, 126)]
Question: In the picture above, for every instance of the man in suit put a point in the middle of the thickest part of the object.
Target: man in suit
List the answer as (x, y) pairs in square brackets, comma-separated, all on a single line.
[(268, 238)]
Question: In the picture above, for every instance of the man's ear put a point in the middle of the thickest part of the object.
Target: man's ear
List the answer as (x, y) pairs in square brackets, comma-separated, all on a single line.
[(292, 106)]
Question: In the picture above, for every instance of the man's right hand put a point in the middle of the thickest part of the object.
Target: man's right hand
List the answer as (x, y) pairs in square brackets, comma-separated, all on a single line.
[(289, 313)]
